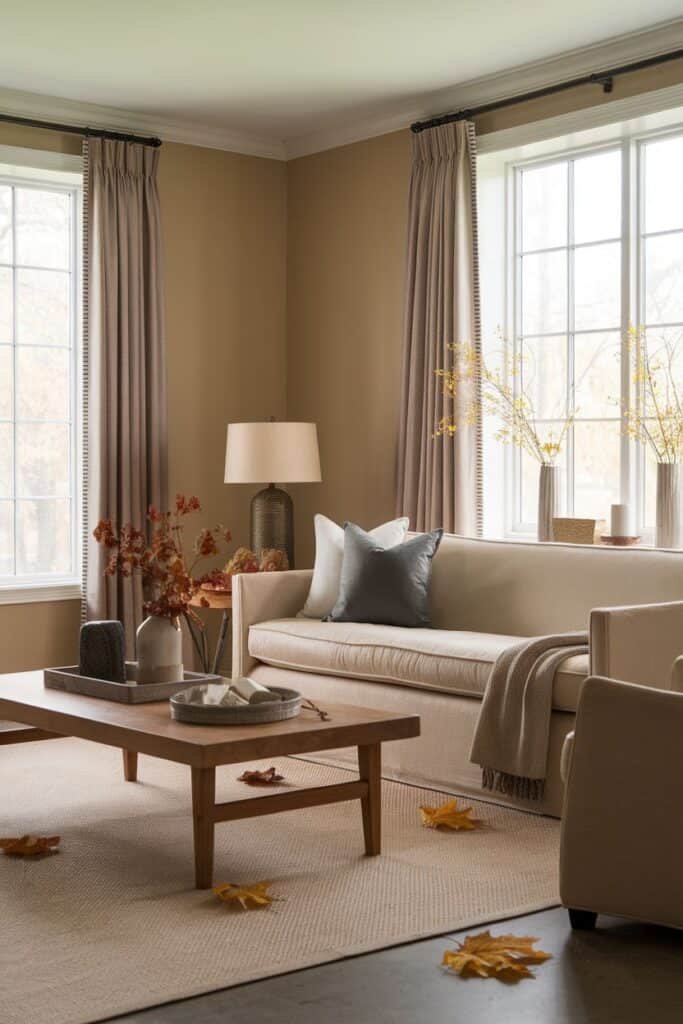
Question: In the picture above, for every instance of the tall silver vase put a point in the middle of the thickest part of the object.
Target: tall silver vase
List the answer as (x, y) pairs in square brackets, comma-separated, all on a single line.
[(548, 500), (668, 528)]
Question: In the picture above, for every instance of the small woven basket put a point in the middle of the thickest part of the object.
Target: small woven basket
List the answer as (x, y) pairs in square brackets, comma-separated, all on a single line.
[(578, 531)]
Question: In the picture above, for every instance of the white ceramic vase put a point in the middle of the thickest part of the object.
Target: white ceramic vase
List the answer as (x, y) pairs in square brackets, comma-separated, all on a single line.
[(159, 645), (548, 500), (668, 527)]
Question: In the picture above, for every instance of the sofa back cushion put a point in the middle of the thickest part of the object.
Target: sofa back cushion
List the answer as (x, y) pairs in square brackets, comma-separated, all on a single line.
[(528, 589)]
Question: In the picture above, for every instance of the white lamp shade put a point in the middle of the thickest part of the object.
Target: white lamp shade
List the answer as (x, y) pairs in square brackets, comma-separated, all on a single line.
[(269, 452)]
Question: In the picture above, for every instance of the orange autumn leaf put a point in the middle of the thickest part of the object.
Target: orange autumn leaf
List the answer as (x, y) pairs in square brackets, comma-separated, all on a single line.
[(267, 777), (248, 896), (449, 815), (506, 957), (29, 846)]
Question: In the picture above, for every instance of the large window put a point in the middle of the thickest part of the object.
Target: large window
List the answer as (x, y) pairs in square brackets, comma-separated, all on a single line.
[(39, 379), (595, 245)]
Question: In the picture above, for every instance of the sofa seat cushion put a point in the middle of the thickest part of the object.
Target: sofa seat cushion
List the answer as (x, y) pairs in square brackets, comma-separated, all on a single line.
[(450, 661)]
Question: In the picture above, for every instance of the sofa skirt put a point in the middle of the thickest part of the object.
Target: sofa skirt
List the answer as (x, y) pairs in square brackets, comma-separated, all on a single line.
[(439, 757)]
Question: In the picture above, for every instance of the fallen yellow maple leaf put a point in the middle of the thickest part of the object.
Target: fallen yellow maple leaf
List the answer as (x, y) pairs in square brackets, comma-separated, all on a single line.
[(29, 846), (449, 815), (506, 957), (248, 896)]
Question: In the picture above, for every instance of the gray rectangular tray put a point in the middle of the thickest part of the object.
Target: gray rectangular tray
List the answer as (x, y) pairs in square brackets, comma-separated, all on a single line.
[(130, 692)]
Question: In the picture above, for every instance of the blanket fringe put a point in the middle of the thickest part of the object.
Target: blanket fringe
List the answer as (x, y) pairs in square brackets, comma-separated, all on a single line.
[(512, 785)]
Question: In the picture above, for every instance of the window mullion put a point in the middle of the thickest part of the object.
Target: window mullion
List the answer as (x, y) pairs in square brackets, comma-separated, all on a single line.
[(571, 370), (628, 179), (15, 362)]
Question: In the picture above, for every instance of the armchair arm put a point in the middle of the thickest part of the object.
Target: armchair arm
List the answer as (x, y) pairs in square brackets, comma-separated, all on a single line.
[(622, 840), (637, 644), (258, 597)]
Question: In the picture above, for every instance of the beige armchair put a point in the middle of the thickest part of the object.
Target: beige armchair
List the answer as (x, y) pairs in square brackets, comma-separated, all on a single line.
[(622, 830)]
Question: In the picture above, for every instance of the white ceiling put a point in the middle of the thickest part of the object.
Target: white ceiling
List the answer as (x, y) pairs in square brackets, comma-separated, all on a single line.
[(286, 69)]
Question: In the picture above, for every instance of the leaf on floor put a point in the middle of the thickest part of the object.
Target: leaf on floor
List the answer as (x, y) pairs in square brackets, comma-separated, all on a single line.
[(449, 815), (249, 897), (29, 846), (267, 777), (506, 957)]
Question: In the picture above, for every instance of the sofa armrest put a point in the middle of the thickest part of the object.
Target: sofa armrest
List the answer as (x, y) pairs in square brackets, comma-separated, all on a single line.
[(622, 843), (637, 644), (259, 597)]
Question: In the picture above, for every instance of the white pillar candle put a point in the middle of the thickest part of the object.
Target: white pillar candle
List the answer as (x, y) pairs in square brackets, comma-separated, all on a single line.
[(619, 521)]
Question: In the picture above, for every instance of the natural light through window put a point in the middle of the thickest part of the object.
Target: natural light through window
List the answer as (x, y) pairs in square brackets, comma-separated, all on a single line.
[(39, 379), (569, 321), (593, 246)]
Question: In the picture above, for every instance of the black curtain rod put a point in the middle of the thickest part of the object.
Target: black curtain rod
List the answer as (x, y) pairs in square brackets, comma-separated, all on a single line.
[(72, 129), (603, 78)]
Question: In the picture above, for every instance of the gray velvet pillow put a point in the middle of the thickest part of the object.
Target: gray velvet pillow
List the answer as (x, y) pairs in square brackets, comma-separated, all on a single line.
[(389, 586)]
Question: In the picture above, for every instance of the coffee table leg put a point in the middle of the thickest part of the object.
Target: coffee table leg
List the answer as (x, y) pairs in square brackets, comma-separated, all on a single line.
[(130, 765), (203, 805), (370, 770)]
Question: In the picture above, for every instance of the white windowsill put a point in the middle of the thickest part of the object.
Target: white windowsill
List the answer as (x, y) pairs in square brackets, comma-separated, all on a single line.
[(34, 593)]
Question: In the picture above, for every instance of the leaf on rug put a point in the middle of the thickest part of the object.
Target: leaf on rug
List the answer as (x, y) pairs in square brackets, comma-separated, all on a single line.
[(449, 815), (506, 957), (267, 777), (29, 846), (248, 896)]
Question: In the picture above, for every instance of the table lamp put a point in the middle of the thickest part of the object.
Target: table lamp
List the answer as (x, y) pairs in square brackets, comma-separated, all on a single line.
[(262, 452)]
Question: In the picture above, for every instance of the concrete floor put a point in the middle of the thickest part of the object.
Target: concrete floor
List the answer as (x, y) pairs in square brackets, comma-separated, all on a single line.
[(622, 973)]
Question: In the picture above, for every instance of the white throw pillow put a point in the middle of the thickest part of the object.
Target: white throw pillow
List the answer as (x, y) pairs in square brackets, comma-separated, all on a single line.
[(329, 553)]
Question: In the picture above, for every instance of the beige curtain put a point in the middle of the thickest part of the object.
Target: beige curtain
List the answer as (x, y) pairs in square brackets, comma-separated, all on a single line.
[(126, 433), (439, 480)]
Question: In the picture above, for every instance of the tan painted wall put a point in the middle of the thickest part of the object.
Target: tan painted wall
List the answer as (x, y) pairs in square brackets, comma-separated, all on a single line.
[(224, 224), (347, 212), (346, 250)]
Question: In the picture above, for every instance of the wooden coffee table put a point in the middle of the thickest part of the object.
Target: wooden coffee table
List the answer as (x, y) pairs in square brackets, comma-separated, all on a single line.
[(149, 729)]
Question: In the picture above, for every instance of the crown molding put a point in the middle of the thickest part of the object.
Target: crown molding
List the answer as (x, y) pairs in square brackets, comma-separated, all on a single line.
[(621, 50), (48, 108)]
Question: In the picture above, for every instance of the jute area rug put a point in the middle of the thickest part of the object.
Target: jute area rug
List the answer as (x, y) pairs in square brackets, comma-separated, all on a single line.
[(112, 923)]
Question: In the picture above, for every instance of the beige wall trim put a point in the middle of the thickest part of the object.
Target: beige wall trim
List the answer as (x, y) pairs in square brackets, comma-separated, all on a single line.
[(48, 108), (40, 592), (581, 120), (634, 46)]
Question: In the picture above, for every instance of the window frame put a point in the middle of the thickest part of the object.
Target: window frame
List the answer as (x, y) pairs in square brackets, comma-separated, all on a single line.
[(54, 175), (631, 146)]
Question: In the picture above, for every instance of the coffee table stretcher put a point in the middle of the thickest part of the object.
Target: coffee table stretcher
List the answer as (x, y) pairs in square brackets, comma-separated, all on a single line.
[(206, 813)]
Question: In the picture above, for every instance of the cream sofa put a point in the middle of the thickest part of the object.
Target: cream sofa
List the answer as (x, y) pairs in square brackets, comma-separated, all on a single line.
[(484, 596)]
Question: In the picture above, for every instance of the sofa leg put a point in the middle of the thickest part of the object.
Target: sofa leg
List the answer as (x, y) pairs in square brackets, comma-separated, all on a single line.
[(582, 920)]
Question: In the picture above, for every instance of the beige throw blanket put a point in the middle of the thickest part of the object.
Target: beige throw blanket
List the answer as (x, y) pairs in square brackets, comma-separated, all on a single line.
[(512, 734)]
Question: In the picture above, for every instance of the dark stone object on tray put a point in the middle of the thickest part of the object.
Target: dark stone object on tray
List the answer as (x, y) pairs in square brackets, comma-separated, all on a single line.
[(102, 651)]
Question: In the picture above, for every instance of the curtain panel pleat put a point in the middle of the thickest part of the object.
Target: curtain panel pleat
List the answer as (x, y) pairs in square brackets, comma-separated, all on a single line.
[(126, 431), (439, 479)]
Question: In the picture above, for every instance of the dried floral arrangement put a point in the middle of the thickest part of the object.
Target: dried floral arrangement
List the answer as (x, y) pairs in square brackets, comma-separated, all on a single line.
[(169, 574), (476, 388), (654, 416), (245, 560)]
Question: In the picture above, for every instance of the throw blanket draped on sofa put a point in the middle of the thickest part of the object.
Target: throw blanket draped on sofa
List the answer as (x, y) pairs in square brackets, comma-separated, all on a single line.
[(512, 734)]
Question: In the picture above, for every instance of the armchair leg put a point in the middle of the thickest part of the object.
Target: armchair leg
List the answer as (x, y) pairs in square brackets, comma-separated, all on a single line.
[(582, 920)]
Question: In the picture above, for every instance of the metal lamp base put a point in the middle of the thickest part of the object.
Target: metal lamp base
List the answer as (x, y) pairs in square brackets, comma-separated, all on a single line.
[(272, 522)]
